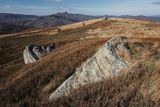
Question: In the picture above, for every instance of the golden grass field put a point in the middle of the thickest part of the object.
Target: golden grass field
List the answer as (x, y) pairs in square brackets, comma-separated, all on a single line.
[(30, 85)]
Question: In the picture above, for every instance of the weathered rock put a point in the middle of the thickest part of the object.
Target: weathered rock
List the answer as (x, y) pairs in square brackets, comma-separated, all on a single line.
[(109, 61), (33, 53)]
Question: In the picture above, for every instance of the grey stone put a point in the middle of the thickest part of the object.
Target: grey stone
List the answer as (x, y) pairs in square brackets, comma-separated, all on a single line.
[(32, 53), (107, 62)]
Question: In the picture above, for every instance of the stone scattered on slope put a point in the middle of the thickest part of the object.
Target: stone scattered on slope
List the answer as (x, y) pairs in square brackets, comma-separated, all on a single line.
[(109, 61), (32, 53)]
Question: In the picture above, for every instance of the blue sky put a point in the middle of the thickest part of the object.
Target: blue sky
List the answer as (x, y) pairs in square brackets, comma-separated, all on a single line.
[(91, 7)]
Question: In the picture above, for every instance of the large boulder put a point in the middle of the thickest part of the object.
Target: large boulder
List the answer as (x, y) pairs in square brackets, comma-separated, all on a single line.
[(33, 53), (109, 61)]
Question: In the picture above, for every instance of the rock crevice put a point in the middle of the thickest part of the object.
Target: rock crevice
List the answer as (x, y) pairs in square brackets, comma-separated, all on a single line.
[(32, 53)]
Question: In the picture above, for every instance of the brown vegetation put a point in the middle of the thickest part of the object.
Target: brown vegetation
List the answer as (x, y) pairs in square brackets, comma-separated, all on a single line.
[(30, 85), (123, 91)]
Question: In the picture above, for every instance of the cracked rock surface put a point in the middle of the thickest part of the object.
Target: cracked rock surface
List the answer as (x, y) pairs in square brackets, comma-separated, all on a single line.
[(32, 53), (109, 61)]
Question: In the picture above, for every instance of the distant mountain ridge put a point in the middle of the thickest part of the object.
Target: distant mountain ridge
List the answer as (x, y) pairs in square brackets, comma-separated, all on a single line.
[(141, 17), (155, 18), (16, 19), (59, 19), (23, 22), (10, 23), (32, 21), (43, 21)]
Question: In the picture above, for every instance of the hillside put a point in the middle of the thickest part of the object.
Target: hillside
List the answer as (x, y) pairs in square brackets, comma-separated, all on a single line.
[(32, 84), (58, 19), (43, 21), (9, 28), (31, 21), (54, 20), (16, 19), (12, 23)]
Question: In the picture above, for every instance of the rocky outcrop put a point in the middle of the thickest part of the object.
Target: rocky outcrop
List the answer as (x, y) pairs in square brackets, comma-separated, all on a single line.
[(109, 61), (33, 53)]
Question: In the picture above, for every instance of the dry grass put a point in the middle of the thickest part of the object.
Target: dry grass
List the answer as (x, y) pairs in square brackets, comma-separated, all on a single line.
[(123, 91), (56, 67), (30, 85)]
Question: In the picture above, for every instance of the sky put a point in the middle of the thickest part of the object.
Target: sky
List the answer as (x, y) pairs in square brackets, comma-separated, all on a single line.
[(89, 7)]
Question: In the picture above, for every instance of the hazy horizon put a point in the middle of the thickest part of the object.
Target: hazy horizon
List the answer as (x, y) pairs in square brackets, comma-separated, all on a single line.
[(89, 7), (79, 13)]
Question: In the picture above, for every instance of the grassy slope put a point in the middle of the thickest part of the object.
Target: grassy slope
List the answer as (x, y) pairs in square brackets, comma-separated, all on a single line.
[(137, 89), (28, 84)]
